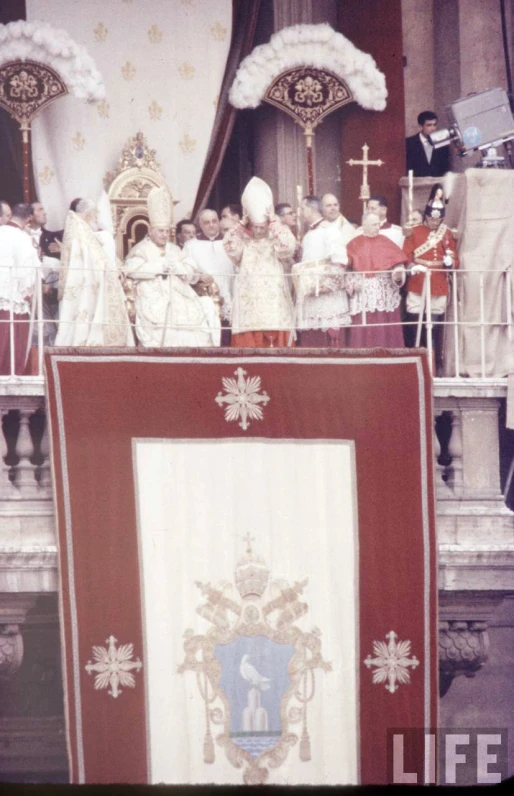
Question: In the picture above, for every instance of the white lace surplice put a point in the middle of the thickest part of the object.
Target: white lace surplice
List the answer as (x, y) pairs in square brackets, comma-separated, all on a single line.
[(379, 291)]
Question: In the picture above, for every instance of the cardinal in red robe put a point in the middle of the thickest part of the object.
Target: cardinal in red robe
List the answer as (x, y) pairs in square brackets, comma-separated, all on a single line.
[(374, 284)]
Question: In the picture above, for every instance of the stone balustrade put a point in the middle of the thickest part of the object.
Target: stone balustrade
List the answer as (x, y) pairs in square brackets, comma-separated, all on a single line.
[(475, 527)]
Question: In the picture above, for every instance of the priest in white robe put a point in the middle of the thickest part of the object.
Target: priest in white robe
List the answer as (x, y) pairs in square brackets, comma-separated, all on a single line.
[(212, 260), (92, 308), (323, 312), (168, 311)]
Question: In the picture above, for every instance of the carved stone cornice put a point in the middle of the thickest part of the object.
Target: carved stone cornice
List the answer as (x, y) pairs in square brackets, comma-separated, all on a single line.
[(464, 619), (463, 649)]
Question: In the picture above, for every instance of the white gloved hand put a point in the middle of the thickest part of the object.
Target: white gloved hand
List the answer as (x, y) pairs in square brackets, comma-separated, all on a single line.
[(398, 275), (417, 268)]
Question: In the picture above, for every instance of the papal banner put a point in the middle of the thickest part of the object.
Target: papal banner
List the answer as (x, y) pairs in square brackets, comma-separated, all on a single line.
[(247, 563)]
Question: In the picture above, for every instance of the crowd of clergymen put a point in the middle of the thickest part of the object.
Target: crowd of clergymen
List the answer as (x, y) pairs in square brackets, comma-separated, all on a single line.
[(256, 275)]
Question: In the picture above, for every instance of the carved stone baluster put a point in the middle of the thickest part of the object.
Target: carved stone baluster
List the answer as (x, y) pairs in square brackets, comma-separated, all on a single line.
[(455, 450), (45, 481), (7, 489), (25, 470)]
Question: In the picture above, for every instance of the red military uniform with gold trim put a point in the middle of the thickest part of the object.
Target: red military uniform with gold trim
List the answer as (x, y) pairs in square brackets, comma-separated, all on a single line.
[(432, 257)]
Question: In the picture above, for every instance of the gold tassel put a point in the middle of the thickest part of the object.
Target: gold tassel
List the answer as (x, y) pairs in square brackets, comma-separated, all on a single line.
[(208, 748), (305, 747)]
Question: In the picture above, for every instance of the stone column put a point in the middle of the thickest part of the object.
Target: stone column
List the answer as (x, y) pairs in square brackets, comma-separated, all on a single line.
[(482, 65), (475, 529), (418, 51), (480, 450)]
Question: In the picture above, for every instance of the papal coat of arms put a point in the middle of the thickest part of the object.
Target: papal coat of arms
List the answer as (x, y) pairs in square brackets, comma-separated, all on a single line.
[(255, 669)]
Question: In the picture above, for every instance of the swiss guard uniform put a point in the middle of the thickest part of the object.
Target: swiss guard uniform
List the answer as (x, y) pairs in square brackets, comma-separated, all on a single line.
[(433, 249)]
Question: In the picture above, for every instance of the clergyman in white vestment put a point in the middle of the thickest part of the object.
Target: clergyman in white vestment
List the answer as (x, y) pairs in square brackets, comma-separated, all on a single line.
[(168, 311)]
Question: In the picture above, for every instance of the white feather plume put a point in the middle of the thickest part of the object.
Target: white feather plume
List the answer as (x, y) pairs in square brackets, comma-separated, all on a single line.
[(53, 47), (318, 46)]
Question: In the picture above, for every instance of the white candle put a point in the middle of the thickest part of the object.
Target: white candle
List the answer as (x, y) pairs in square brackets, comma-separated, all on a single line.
[(411, 192)]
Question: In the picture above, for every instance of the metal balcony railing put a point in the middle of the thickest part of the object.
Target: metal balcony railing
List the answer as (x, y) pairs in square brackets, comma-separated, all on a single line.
[(457, 320)]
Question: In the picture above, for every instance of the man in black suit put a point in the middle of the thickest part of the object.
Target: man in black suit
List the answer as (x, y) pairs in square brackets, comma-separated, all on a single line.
[(422, 158)]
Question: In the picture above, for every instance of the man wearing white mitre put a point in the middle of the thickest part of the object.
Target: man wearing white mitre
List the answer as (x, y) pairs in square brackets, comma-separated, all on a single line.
[(262, 309), (168, 311), (92, 308)]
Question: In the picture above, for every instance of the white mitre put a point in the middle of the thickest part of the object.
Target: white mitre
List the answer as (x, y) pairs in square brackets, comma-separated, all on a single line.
[(257, 201), (160, 207)]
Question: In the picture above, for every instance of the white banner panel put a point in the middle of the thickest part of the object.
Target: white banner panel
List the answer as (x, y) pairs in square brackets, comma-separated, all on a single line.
[(266, 515)]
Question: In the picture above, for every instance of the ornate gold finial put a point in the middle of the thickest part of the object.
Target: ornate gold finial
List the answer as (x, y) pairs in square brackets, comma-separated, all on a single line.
[(248, 539), (136, 154)]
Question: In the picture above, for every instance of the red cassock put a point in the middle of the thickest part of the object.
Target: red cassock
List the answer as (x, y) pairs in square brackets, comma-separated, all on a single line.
[(381, 296), (432, 258)]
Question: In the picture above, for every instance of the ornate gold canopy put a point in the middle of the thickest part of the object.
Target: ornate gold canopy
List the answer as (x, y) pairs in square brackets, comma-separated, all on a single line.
[(308, 95), (26, 87)]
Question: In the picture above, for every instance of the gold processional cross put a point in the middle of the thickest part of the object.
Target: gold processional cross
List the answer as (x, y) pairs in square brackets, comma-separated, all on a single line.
[(365, 162)]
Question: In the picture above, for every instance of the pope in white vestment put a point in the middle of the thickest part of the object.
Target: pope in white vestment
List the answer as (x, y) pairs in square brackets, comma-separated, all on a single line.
[(168, 311)]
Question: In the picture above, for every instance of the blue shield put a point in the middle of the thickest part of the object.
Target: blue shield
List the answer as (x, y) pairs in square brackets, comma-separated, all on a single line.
[(254, 679)]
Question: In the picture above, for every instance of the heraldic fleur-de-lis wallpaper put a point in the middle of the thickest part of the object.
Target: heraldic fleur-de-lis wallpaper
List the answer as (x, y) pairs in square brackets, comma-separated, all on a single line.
[(162, 63)]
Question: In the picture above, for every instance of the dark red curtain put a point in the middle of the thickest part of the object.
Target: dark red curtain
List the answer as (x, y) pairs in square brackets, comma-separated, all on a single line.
[(376, 28), (11, 156), (245, 14)]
